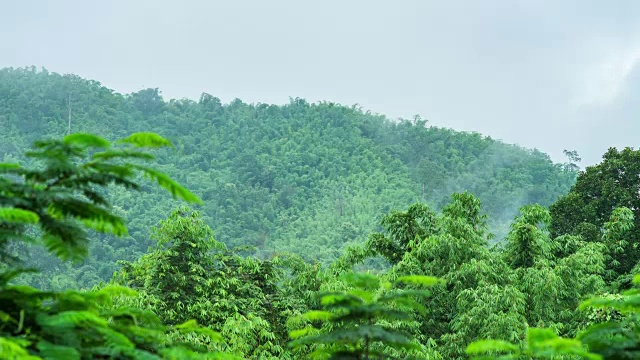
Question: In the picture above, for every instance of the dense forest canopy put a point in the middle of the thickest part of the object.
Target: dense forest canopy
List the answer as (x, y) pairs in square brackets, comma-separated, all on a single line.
[(310, 179), (299, 231)]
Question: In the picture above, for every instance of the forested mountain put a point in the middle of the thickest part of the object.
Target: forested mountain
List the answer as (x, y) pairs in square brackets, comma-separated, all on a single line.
[(303, 178), (344, 235)]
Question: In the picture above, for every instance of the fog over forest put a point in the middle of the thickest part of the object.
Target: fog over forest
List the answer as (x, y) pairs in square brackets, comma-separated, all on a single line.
[(551, 75), (336, 180)]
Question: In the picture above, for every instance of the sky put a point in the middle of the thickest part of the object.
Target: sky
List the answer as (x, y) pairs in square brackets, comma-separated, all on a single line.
[(544, 74)]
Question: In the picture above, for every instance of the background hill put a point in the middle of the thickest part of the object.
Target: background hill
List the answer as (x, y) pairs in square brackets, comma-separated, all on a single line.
[(304, 178)]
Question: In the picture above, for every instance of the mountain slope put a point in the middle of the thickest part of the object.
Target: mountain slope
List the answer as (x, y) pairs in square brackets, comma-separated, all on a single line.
[(307, 178)]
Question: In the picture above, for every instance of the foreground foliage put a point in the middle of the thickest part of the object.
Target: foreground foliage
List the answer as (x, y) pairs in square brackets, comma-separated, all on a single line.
[(612, 339), (53, 205), (365, 322)]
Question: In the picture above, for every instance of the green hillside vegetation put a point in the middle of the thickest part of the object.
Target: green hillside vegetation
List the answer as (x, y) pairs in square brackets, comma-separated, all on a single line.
[(524, 295), (309, 179), (352, 261)]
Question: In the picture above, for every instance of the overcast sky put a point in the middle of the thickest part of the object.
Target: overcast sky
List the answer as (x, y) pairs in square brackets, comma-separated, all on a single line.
[(547, 74)]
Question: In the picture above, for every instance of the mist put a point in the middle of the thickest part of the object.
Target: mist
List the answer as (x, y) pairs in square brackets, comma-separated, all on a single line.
[(542, 74)]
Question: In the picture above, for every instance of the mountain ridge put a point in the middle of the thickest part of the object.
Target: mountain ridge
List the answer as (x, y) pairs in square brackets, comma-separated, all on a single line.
[(309, 178)]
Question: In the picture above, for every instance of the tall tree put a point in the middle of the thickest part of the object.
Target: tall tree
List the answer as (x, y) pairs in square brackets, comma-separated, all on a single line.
[(54, 204), (600, 189)]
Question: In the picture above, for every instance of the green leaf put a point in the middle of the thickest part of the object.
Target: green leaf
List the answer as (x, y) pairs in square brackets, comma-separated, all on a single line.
[(362, 280), (405, 299), (535, 335), (9, 166), (192, 326), (169, 184), (114, 339), (560, 346), (18, 216), (146, 139), (332, 299), (485, 346), (105, 295), (420, 280), (112, 225), (295, 334), (124, 154), (86, 140), (69, 319), (65, 249), (317, 315), (92, 216), (51, 351), (15, 349), (116, 290)]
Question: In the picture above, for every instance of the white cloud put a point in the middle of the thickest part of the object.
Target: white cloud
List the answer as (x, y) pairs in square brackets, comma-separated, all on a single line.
[(602, 82)]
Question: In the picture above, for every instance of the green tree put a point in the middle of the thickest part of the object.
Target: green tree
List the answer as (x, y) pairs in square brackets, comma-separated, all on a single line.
[(598, 191), (614, 338), (190, 275), (540, 344), (404, 229), (525, 244), (365, 320), (53, 205)]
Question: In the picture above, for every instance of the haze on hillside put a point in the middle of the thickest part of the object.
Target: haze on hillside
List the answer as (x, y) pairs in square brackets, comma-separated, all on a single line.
[(310, 179), (357, 180), (545, 74)]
